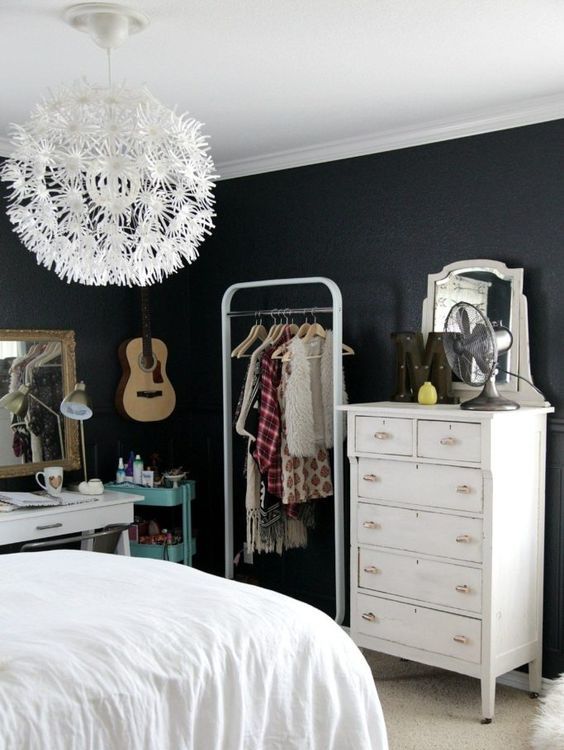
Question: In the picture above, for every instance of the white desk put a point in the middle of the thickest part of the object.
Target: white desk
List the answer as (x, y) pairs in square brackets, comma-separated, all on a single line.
[(32, 524)]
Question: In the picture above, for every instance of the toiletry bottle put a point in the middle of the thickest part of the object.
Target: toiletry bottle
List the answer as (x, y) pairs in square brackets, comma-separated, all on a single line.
[(137, 469), (129, 467), (120, 473)]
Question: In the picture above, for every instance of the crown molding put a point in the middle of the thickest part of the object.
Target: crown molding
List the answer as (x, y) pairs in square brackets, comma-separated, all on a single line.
[(531, 112)]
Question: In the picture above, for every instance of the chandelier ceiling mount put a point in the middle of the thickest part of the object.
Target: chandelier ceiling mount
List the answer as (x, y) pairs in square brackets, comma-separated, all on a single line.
[(108, 24)]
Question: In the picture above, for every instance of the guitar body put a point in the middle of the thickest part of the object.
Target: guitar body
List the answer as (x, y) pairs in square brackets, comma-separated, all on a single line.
[(144, 394)]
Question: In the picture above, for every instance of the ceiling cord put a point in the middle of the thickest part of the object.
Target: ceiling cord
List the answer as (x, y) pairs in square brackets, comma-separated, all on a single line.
[(109, 55)]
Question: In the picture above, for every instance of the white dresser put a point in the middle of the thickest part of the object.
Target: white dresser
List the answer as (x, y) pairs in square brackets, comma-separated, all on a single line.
[(447, 529)]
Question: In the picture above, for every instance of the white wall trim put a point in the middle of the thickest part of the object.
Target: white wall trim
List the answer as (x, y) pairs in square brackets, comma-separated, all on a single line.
[(529, 113), (520, 680), (542, 109)]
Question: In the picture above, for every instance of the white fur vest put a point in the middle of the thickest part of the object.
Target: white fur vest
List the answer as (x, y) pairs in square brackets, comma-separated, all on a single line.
[(308, 397)]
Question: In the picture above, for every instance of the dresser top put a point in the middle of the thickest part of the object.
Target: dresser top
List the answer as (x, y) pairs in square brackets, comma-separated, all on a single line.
[(441, 411)]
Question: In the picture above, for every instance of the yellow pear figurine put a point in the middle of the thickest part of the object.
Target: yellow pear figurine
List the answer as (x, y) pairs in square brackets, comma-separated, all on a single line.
[(427, 394)]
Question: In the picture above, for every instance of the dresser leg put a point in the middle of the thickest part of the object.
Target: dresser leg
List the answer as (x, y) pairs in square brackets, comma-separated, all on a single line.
[(535, 677), (488, 699)]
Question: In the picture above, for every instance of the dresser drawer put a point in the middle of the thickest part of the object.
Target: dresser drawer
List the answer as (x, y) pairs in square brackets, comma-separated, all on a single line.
[(67, 521), (384, 436), (438, 534), (453, 441), (418, 578), (437, 486), (419, 627)]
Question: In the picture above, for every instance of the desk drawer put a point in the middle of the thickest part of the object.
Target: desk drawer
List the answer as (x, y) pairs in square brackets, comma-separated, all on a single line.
[(418, 578), (453, 441), (64, 521), (419, 627), (384, 436), (455, 487), (438, 534)]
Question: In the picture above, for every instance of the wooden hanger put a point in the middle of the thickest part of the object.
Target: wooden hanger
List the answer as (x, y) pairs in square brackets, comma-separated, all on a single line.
[(277, 353), (315, 329), (257, 332)]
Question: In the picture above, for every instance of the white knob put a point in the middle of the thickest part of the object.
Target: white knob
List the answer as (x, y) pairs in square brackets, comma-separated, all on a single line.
[(463, 538), (381, 435), (448, 441), (371, 525), (371, 569), (463, 489), (370, 478), (460, 639), (463, 588), (370, 616)]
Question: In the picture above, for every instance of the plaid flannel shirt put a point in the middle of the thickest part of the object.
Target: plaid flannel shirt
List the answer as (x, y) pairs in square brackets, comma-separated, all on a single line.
[(267, 452)]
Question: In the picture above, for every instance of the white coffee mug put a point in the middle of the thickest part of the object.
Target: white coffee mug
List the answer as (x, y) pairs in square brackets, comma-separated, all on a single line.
[(53, 477)]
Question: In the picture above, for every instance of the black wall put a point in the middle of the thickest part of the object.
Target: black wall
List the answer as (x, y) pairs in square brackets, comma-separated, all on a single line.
[(377, 225), (33, 297)]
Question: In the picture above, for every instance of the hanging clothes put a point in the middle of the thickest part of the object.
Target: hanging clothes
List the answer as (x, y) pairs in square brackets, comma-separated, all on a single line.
[(267, 450), (47, 385), (270, 527), (306, 467), (309, 396)]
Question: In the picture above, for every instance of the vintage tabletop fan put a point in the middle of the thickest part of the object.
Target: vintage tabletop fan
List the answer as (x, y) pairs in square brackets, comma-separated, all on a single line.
[(472, 346)]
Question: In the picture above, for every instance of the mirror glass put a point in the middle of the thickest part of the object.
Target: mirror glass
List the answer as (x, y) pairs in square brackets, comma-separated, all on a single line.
[(486, 289), (37, 369)]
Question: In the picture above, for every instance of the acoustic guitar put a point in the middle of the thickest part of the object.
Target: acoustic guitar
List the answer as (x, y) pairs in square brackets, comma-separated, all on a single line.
[(144, 393)]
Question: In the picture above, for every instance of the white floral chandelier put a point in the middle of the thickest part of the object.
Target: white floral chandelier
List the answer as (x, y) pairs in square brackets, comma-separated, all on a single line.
[(108, 186)]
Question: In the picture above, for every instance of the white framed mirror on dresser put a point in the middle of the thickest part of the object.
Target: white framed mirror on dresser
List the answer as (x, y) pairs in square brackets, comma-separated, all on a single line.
[(497, 291), (447, 519)]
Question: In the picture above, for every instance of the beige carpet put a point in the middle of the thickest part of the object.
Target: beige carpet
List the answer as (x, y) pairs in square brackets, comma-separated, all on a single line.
[(432, 709)]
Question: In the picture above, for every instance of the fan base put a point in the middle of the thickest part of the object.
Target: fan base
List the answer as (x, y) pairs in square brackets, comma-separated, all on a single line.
[(490, 400), (484, 403)]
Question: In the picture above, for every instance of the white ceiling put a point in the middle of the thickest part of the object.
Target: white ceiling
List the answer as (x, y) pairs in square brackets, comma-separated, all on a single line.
[(294, 82)]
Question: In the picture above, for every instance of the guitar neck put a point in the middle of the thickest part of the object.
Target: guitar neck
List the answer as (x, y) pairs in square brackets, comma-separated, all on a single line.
[(146, 325)]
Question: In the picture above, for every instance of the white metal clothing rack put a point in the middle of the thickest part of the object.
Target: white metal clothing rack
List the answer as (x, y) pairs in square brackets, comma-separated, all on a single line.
[(337, 311)]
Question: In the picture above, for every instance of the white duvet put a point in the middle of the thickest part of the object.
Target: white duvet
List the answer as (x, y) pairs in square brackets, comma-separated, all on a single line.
[(101, 652)]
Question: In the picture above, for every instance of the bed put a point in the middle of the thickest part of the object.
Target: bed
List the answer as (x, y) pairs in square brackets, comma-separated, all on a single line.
[(106, 652)]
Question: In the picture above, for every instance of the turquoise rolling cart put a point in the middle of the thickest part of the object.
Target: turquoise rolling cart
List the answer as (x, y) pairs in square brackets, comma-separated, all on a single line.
[(166, 497)]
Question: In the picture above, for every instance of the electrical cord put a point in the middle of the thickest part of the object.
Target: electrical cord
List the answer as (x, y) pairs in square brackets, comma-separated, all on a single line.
[(514, 374)]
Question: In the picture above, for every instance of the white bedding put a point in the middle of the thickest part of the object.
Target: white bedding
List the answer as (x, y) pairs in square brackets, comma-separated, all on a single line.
[(101, 652)]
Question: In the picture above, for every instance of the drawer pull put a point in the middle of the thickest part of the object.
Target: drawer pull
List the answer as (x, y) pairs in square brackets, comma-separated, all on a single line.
[(370, 616), (371, 525), (463, 588), (370, 478), (464, 538), (381, 435), (371, 569), (460, 639), (463, 489), (49, 526), (448, 441)]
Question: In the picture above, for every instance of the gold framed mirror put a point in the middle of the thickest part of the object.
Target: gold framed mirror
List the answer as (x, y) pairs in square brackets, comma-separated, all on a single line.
[(37, 370)]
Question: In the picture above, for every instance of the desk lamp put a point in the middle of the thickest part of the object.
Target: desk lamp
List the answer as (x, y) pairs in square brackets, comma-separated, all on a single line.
[(17, 402), (77, 406)]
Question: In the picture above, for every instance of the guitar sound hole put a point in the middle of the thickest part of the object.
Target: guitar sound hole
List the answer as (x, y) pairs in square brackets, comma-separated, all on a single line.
[(147, 364)]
